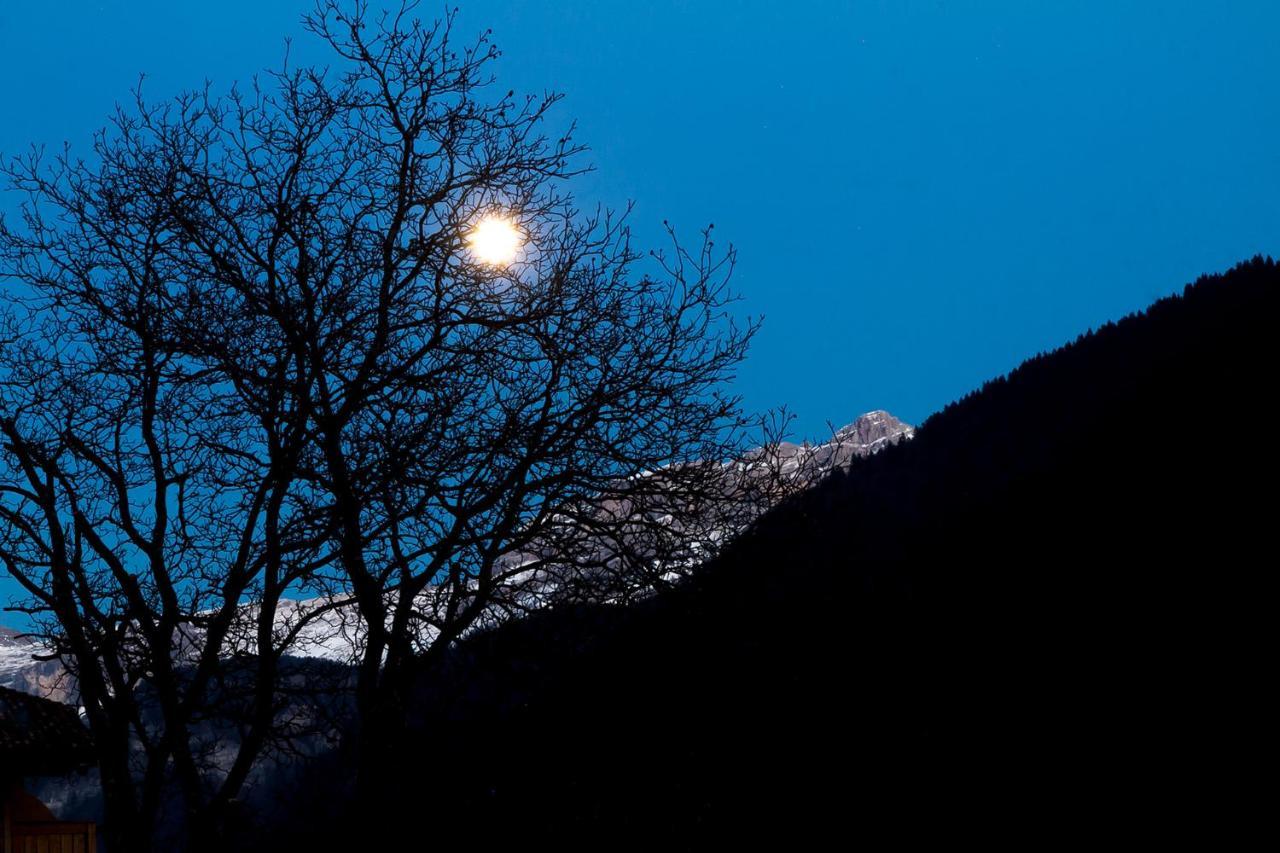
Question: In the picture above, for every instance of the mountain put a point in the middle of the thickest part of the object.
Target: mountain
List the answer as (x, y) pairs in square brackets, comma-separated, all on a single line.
[(869, 434), (334, 635), (20, 670), (1046, 618)]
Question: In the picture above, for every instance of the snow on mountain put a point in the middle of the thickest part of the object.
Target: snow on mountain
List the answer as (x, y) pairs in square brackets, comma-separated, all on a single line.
[(335, 633), (868, 434), (21, 670)]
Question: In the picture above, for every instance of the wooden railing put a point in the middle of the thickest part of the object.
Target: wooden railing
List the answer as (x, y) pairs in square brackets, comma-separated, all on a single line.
[(51, 836)]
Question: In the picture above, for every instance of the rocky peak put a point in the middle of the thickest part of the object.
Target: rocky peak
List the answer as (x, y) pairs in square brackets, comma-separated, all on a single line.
[(873, 428)]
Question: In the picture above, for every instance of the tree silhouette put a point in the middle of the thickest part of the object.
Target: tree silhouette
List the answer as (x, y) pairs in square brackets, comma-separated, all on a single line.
[(249, 355)]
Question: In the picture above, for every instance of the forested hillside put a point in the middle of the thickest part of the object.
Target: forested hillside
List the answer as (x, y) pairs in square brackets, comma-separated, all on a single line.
[(1047, 615)]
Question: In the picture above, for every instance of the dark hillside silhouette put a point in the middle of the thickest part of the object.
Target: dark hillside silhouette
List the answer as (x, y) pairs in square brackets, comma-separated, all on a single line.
[(1047, 616)]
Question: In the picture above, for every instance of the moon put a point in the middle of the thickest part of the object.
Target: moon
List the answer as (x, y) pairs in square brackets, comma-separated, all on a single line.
[(495, 240)]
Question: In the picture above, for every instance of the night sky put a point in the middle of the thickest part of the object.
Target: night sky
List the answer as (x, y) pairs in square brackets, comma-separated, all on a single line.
[(922, 193)]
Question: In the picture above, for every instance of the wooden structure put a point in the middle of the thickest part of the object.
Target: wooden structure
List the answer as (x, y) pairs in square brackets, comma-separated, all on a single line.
[(38, 738)]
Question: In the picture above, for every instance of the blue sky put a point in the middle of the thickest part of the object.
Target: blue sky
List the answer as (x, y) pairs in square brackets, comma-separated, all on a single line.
[(922, 193)]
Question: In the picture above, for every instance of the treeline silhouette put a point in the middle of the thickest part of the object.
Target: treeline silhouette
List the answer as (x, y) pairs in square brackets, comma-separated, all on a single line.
[(1047, 616)]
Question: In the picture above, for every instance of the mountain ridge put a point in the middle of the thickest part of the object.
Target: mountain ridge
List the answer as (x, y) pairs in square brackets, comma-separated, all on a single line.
[(336, 634), (1023, 621)]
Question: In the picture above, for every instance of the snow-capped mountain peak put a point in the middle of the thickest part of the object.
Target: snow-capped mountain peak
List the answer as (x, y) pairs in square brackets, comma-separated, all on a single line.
[(334, 632)]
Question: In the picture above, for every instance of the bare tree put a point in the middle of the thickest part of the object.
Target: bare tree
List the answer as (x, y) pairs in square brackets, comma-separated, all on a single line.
[(144, 500), (263, 309)]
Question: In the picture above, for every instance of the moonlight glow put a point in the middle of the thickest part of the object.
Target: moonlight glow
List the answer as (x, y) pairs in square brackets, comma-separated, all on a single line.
[(495, 240)]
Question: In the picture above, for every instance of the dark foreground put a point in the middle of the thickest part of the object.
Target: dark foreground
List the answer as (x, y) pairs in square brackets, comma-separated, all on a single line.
[(1046, 617)]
